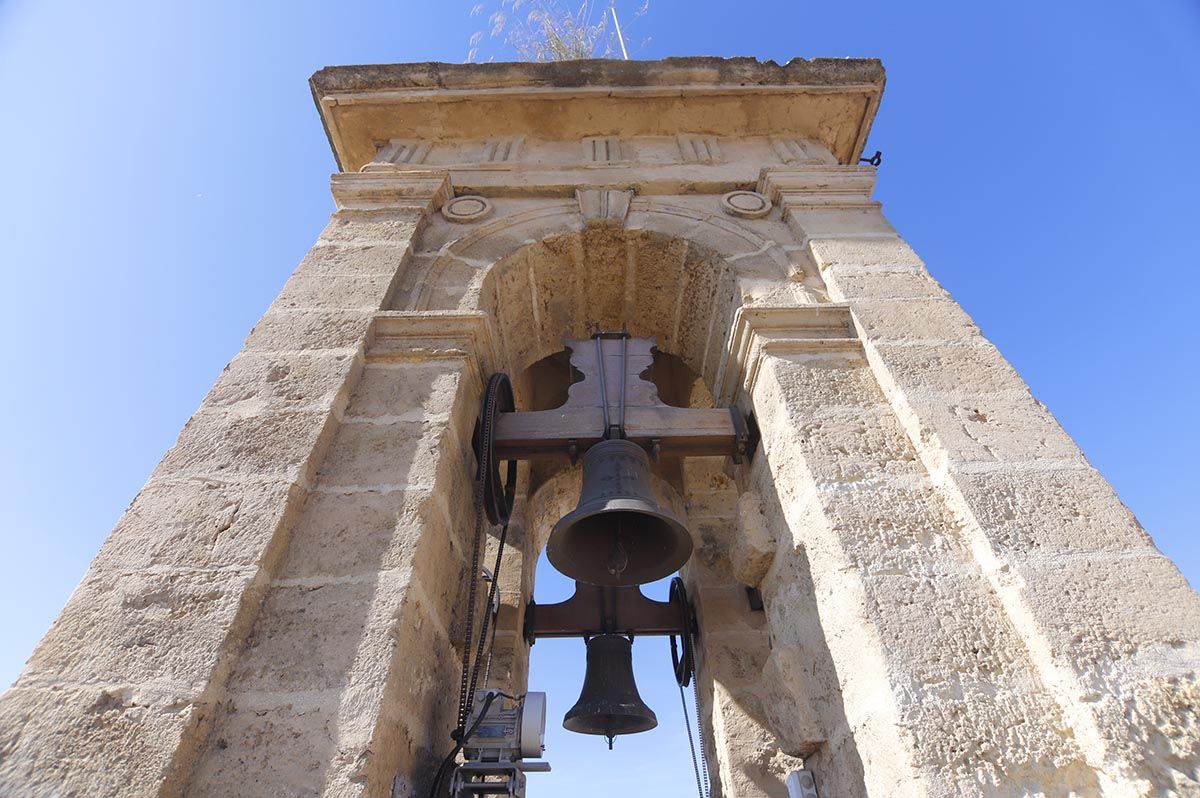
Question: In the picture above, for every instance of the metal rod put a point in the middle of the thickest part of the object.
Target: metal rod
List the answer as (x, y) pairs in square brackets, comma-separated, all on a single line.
[(620, 38), (603, 382), (624, 377)]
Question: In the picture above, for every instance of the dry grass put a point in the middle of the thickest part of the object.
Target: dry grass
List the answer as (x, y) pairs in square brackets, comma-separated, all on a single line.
[(548, 30)]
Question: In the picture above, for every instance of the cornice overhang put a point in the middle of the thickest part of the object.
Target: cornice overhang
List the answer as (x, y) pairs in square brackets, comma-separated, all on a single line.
[(832, 101)]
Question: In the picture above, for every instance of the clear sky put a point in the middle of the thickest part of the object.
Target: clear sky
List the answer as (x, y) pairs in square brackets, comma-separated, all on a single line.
[(164, 170)]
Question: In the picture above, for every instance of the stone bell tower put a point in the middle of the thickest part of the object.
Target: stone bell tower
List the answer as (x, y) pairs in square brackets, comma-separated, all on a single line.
[(953, 601)]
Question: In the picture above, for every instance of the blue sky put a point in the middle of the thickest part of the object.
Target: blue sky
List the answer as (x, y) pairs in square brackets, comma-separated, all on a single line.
[(164, 170)]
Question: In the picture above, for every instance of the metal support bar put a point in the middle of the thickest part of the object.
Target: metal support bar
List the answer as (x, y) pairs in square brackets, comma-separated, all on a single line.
[(604, 610)]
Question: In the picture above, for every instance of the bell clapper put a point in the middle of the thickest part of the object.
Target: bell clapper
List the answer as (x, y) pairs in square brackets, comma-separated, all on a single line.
[(618, 558)]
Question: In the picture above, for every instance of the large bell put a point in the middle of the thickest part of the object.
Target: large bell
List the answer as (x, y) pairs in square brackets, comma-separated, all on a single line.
[(618, 534), (609, 703)]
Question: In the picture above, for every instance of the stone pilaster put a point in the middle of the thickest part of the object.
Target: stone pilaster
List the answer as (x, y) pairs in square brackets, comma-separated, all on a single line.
[(912, 666), (343, 684), (747, 758), (134, 669), (1108, 625)]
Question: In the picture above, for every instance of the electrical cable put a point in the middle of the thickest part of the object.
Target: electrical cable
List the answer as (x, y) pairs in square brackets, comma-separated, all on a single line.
[(707, 793), (687, 724), (491, 602), (498, 390), (441, 771)]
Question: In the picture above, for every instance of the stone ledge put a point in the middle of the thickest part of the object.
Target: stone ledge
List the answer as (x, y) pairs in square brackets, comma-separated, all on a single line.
[(832, 101), (786, 330), (403, 336)]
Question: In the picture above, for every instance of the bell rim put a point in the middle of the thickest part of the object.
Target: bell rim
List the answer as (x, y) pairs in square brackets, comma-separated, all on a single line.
[(648, 724), (679, 555)]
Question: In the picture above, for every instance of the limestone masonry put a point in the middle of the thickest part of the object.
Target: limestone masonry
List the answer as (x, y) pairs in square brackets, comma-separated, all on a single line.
[(955, 603)]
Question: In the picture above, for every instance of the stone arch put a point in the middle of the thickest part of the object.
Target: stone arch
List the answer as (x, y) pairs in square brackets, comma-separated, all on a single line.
[(538, 257), (673, 273)]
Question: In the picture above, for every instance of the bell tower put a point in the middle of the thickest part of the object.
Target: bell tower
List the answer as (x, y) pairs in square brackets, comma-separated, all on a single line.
[(905, 579)]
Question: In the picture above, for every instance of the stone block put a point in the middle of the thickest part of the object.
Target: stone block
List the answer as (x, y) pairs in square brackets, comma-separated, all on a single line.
[(1097, 607), (354, 260), (1164, 711), (261, 381), (750, 762), (862, 252), (787, 703), (819, 222), (947, 369), (726, 608), (892, 528), (308, 329), (275, 445), (712, 538), (1047, 512), (659, 274), (334, 292), (514, 312), (811, 386), (387, 456), (310, 634), (849, 283), (912, 320), (359, 532), (270, 750), (88, 740), (406, 392), (553, 266), (143, 628), (734, 658), (854, 447), (349, 227), (1008, 428), (753, 548), (711, 504), (201, 523)]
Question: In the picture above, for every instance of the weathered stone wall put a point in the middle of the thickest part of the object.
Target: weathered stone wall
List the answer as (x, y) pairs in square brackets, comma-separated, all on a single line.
[(955, 603)]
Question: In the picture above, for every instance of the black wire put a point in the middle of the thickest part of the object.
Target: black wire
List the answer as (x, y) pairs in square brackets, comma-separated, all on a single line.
[(687, 724), (491, 602), (470, 671), (472, 579), (700, 733), (441, 771), (466, 696)]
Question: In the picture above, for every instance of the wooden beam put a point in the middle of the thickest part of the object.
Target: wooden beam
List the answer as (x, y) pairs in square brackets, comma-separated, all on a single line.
[(548, 434), (596, 610)]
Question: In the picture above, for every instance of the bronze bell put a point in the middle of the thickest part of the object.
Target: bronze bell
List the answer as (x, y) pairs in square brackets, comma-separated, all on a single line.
[(618, 534), (609, 703)]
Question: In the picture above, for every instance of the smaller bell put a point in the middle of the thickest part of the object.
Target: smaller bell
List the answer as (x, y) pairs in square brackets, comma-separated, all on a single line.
[(609, 703)]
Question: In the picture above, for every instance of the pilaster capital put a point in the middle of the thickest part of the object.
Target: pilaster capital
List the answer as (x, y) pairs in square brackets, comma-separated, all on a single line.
[(782, 330), (405, 336), (818, 185), (421, 191)]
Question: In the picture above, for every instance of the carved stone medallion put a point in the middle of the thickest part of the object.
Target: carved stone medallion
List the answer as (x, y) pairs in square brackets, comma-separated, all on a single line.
[(746, 204), (468, 208)]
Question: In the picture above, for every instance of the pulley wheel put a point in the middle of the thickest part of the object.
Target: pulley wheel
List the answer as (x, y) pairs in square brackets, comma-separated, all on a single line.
[(498, 496), (683, 654)]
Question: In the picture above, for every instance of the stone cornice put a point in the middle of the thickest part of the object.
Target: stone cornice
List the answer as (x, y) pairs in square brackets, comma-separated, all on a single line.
[(829, 186), (786, 330), (421, 191), (831, 101), (405, 336)]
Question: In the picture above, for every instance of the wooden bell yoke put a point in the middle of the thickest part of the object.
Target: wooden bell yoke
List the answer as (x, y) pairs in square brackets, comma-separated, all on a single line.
[(614, 400), (613, 394)]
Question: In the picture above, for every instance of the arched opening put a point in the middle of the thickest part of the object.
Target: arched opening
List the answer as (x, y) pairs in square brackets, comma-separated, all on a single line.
[(655, 762), (537, 295)]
